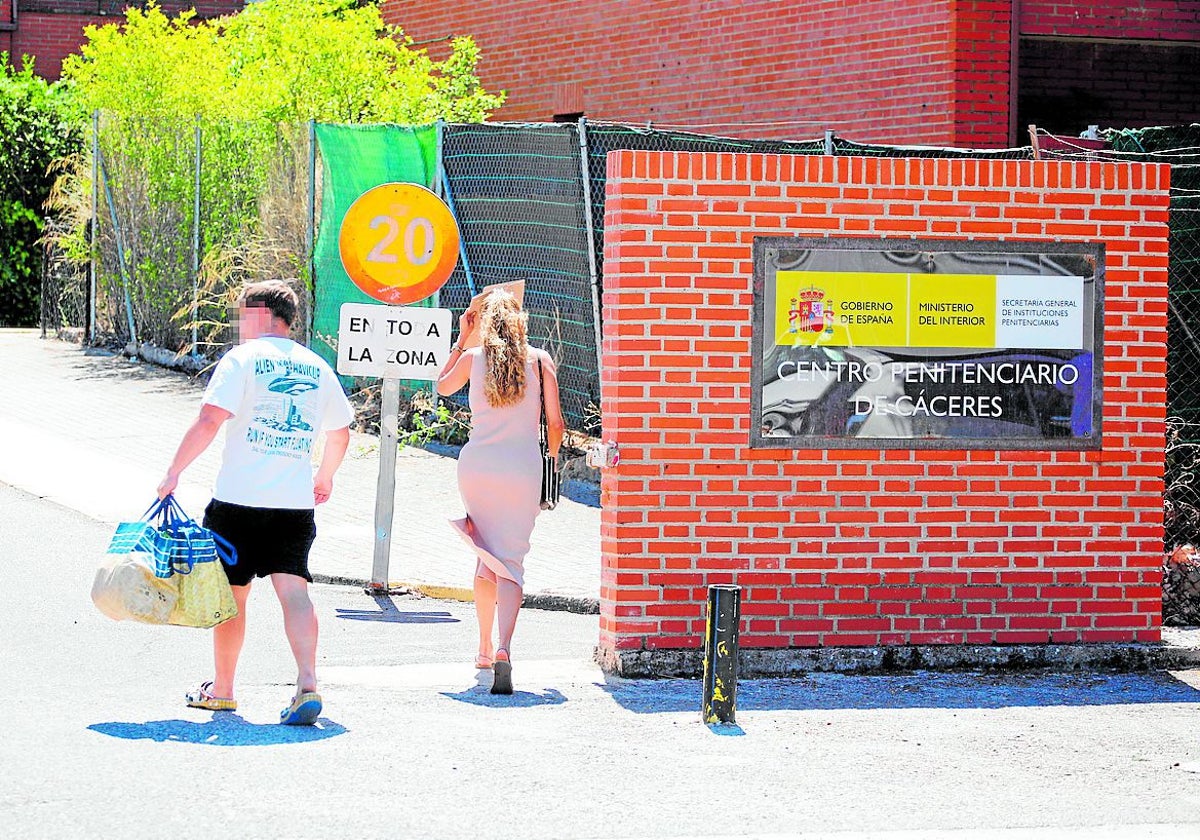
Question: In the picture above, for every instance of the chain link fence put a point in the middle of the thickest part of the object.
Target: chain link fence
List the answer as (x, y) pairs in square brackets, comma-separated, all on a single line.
[(519, 196), (529, 200), (1180, 147)]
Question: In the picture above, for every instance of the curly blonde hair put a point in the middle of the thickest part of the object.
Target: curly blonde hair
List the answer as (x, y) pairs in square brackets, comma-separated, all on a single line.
[(502, 330)]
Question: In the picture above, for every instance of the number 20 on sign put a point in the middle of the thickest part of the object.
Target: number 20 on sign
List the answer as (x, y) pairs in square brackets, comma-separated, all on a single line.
[(398, 243)]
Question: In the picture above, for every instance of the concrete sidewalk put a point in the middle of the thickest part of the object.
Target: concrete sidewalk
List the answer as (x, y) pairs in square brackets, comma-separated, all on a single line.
[(95, 432)]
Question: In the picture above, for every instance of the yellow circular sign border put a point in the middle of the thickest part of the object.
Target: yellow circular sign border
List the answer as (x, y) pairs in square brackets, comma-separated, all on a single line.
[(436, 275)]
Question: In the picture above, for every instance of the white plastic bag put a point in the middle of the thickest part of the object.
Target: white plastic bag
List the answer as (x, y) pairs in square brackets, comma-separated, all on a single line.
[(125, 588)]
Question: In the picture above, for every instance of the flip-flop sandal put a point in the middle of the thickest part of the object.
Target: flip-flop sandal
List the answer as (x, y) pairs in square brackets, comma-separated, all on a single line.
[(502, 677), (202, 698), (483, 663), (305, 709)]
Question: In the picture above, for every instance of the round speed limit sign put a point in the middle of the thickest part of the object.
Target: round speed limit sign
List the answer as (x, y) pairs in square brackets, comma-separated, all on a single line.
[(398, 243)]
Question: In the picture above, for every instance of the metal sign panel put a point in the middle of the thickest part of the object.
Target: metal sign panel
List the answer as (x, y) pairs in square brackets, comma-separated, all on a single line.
[(909, 344), (399, 243), (393, 342)]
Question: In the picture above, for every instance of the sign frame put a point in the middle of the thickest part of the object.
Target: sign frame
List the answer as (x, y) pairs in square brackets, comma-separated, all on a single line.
[(391, 206), (766, 251), (424, 317)]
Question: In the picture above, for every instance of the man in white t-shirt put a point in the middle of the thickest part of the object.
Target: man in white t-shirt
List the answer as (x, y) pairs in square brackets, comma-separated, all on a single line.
[(276, 397)]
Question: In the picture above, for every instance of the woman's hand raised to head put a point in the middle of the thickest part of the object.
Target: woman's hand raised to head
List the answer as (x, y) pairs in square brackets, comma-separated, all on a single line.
[(468, 322)]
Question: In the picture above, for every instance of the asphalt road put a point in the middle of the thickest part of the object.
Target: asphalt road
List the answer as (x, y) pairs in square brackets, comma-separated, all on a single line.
[(96, 742)]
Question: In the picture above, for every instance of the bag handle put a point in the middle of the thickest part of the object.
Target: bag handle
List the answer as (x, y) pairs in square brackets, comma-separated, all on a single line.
[(225, 549), (168, 514)]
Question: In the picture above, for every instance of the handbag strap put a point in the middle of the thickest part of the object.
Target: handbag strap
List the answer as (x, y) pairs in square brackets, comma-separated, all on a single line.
[(542, 396)]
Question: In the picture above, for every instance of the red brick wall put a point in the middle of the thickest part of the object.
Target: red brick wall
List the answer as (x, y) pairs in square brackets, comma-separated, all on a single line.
[(982, 59), (50, 30), (1172, 20), (853, 548), (880, 71), (6, 25)]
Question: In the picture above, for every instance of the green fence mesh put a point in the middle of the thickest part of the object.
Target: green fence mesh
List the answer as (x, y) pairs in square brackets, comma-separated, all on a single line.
[(518, 194), (355, 158)]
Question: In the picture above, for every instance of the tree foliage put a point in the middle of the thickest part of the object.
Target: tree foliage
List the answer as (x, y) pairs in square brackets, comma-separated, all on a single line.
[(249, 81), (278, 60), (39, 123)]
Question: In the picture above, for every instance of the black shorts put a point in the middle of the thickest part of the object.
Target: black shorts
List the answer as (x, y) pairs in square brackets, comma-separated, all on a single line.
[(268, 540)]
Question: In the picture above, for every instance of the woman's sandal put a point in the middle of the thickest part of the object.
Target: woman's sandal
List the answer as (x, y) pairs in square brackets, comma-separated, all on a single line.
[(502, 673), (304, 710), (202, 698), (482, 662)]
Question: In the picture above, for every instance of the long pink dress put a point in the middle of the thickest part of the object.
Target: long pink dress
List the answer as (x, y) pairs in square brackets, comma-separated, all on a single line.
[(500, 474)]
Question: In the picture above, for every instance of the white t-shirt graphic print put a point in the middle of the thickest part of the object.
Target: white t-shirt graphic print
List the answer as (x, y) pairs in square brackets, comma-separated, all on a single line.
[(282, 396)]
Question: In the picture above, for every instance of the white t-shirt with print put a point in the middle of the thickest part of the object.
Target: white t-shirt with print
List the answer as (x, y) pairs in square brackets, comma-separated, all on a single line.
[(282, 396)]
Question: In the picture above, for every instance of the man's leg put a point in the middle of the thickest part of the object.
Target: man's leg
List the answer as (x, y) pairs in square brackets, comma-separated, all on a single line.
[(300, 624), (227, 644)]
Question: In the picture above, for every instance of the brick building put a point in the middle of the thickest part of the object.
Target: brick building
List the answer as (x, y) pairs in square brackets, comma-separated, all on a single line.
[(968, 73), (50, 30)]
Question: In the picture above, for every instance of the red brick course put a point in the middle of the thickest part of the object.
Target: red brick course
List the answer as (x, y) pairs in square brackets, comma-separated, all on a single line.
[(52, 30), (1171, 20), (854, 548)]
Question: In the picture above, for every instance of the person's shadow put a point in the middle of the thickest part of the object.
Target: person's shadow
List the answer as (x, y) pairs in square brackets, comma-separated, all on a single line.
[(389, 612), (480, 695), (225, 729)]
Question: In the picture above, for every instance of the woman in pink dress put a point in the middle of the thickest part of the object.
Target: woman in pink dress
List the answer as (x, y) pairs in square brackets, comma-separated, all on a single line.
[(500, 468)]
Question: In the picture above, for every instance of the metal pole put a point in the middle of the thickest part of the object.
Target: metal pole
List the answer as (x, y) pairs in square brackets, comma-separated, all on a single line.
[(90, 325), (829, 141), (43, 296), (585, 173), (385, 492), (440, 191), (444, 180), (721, 653), (112, 211), (196, 243), (310, 232)]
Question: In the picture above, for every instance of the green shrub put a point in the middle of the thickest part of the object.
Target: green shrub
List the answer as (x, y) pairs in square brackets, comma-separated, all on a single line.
[(249, 81), (39, 123)]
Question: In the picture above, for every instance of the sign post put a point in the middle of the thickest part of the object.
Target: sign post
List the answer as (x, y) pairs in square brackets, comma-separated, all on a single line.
[(399, 244)]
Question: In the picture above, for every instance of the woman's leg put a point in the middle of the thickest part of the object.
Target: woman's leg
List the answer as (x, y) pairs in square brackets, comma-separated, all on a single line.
[(485, 610), (510, 595), (228, 637)]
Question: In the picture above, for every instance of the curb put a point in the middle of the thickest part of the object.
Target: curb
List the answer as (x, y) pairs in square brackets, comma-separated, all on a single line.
[(445, 592), (796, 662)]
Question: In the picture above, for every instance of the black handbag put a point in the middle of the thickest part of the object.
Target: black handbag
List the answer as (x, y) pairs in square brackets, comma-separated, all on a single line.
[(551, 487)]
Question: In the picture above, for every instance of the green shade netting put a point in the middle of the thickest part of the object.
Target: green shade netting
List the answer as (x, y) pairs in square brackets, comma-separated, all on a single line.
[(355, 158)]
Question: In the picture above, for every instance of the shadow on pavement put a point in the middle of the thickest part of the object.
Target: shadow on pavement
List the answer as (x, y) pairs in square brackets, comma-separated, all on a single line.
[(479, 696), (390, 613), (921, 690), (226, 729), (101, 366)]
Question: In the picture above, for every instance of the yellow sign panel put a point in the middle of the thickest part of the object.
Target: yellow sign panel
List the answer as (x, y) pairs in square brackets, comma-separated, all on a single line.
[(398, 243), (952, 310), (876, 309), (841, 309)]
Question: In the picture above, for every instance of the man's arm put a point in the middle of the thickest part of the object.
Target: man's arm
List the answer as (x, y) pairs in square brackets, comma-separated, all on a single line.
[(337, 441), (195, 441)]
